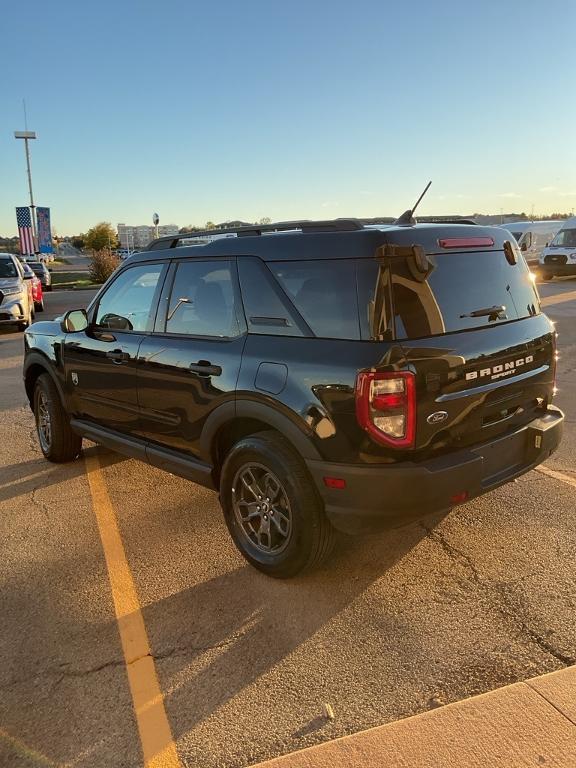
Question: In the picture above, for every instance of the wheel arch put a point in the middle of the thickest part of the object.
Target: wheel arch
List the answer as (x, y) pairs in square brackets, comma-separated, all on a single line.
[(234, 421), (36, 365)]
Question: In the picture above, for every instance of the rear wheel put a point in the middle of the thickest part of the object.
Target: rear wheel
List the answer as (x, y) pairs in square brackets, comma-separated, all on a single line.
[(57, 440), (546, 276), (39, 305), (272, 508)]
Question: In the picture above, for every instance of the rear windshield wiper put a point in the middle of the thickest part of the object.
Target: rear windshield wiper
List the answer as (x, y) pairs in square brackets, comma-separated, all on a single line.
[(492, 313)]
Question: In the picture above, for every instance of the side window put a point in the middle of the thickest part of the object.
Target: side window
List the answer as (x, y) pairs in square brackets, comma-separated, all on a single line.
[(202, 301), (128, 303), (268, 311), (324, 292)]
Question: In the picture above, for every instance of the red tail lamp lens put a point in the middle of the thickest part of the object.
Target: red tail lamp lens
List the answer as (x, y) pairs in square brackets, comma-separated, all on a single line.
[(386, 407)]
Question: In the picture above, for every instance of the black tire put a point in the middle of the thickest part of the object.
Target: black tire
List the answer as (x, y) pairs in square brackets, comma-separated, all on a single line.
[(546, 276), (39, 306), (49, 287), (309, 536), (57, 441)]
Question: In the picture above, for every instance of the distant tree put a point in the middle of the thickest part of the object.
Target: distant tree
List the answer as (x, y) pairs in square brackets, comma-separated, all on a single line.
[(100, 237), (210, 225), (9, 244), (264, 220), (78, 242)]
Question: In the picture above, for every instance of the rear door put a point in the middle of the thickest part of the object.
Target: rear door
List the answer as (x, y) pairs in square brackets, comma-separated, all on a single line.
[(190, 364), (477, 374)]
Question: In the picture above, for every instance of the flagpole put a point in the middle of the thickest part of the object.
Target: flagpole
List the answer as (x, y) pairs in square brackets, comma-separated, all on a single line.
[(26, 135), (32, 206)]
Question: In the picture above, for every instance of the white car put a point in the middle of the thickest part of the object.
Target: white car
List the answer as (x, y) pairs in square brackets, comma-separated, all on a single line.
[(559, 258)]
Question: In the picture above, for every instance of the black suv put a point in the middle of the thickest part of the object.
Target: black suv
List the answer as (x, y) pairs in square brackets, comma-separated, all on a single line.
[(319, 375)]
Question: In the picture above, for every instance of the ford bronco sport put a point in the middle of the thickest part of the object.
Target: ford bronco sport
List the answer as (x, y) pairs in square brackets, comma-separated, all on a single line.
[(321, 376)]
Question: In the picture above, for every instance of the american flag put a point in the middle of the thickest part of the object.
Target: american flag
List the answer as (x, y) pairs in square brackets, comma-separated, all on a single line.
[(25, 231)]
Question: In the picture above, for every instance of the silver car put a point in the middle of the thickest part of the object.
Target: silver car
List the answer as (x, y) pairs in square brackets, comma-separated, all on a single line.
[(16, 303)]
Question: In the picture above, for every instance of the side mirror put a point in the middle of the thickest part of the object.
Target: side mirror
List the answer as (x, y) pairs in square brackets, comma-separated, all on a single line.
[(74, 320), (28, 276), (523, 247)]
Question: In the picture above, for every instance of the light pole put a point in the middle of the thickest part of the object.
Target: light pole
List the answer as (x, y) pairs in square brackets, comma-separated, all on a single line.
[(27, 135)]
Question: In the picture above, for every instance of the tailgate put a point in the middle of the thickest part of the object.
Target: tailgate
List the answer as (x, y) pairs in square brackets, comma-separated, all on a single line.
[(474, 385)]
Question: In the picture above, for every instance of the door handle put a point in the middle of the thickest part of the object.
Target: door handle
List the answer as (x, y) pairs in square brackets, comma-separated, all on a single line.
[(117, 355), (204, 368)]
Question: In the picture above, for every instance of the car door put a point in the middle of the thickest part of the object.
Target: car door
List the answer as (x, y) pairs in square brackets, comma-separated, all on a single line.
[(190, 364), (100, 362)]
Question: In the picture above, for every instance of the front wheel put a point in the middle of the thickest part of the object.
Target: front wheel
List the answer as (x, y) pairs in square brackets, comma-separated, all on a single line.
[(546, 276), (272, 508), (57, 440)]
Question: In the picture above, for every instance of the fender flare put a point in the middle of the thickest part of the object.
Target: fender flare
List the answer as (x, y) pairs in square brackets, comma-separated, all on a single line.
[(299, 436), (36, 357)]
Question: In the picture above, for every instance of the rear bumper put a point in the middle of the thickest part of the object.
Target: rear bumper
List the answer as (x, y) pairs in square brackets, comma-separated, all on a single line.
[(391, 496)]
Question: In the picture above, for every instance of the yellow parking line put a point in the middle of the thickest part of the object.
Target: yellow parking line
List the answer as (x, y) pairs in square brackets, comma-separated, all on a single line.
[(556, 475), (559, 298), (156, 738)]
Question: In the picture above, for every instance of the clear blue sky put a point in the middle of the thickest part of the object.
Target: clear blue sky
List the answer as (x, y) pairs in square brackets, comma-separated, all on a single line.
[(221, 110)]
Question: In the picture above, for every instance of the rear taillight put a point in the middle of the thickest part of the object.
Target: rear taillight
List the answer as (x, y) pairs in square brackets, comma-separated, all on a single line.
[(386, 407)]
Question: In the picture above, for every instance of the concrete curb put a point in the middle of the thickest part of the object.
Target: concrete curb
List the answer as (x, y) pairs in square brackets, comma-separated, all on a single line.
[(532, 723)]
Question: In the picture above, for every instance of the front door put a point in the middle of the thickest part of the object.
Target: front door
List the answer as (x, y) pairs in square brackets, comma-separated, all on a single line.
[(100, 362), (190, 364)]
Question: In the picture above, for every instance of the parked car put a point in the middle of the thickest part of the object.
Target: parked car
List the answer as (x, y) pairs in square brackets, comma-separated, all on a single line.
[(41, 270), (533, 237), (321, 376), (558, 259), (37, 294), (16, 300)]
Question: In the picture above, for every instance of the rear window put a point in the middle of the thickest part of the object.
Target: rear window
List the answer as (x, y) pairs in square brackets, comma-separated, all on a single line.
[(324, 293), (458, 285)]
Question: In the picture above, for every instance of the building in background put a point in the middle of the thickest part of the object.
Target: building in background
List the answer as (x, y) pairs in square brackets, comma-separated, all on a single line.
[(131, 237)]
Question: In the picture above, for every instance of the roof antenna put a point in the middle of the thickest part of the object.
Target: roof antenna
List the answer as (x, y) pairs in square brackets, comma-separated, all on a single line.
[(407, 218)]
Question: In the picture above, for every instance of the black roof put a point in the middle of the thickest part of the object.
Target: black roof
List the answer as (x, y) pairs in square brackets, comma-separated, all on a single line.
[(335, 239)]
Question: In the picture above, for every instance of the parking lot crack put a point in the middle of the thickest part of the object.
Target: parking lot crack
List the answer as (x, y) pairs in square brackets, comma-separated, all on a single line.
[(497, 598), (37, 503), (454, 553)]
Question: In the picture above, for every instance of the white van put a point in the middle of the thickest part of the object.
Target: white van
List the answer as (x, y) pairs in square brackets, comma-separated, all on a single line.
[(559, 257), (533, 236)]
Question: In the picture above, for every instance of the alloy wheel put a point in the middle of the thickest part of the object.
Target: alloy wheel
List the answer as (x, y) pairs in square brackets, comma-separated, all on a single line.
[(43, 422), (261, 508)]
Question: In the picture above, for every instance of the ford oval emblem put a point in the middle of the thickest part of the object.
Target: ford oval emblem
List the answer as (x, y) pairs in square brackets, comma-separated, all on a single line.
[(437, 417)]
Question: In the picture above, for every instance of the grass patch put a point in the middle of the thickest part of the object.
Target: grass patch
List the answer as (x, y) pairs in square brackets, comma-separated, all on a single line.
[(72, 280)]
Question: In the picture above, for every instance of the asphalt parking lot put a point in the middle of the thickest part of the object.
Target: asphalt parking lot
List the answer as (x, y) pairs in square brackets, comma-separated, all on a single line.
[(395, 624)]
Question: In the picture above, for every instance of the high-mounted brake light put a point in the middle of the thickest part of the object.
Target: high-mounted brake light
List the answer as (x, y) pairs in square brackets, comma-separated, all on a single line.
[(386, 407), (466, 242)]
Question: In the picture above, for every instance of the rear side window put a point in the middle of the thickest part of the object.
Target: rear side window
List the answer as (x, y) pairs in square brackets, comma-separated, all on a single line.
[(324, 293), (202, 300), (458, 285)]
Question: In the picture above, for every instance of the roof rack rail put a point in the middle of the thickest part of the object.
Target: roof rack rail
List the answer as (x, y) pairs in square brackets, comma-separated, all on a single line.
[(305, 225)]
